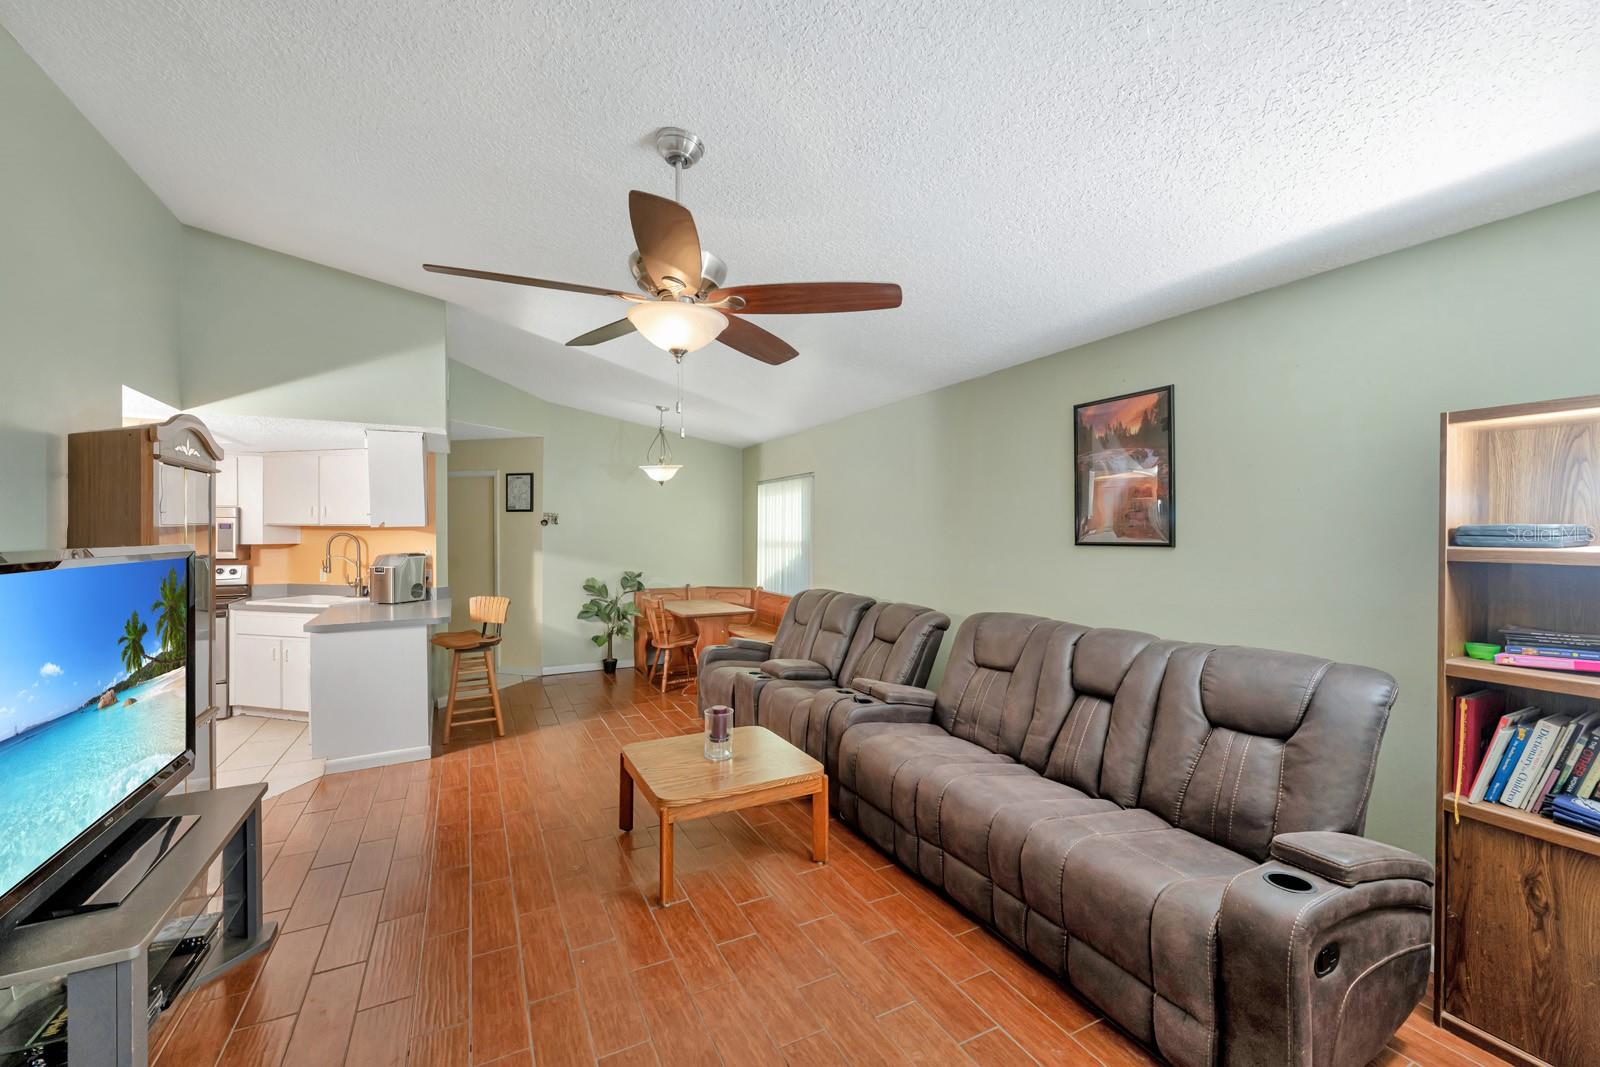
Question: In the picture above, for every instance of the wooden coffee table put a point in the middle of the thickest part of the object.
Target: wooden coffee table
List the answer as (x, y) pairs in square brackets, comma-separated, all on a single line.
[(680, 783)]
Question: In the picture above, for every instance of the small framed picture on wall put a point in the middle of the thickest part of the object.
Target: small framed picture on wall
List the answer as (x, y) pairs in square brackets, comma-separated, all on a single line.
[(519, 492), (1122, 470)]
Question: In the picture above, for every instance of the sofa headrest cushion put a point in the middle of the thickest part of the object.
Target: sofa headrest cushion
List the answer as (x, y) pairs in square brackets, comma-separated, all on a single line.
[(999, 639), (1256, 691), (1102, 658), (893, 619)]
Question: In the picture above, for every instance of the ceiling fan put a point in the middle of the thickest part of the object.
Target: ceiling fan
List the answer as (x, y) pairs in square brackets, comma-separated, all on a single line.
[(684, 306)]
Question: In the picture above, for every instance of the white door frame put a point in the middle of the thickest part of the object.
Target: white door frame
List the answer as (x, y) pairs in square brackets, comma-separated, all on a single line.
[(494, 528)]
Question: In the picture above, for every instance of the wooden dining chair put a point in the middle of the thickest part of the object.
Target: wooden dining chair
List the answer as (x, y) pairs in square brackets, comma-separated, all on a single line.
[(477, 690), (670, 634)]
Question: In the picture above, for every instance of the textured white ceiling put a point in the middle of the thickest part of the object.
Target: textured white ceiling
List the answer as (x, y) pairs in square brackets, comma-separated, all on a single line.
[(1036, 176)]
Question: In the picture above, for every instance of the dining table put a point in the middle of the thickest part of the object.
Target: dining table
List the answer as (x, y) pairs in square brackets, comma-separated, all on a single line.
[(710, 617)]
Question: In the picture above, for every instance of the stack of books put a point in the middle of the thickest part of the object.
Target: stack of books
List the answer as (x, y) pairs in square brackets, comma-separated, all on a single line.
[(1551, 650), (1547, 764)]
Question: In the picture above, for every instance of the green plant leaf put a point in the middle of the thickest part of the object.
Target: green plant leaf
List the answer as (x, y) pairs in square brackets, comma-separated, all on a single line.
[(593, 587), (632, 609), (599, 640)]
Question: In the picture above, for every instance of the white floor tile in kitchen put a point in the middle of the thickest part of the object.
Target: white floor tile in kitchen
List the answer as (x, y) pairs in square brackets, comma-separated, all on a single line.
[(255, 748)]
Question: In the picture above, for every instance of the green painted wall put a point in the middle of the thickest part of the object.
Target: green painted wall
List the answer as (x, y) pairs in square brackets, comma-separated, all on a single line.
[(1307, 450), (269, 334), (88, 294), (612, 516)]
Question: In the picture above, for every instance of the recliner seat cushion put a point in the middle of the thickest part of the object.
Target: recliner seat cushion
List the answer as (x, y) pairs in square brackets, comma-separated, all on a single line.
[(985, 819), (884, 762)]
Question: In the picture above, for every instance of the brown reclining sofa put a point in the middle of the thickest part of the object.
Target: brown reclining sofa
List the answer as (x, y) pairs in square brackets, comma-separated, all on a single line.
[(826, 638), (1172, 828)]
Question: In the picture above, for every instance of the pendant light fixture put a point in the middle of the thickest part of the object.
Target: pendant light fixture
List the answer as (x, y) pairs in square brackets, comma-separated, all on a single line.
[(658, 465)]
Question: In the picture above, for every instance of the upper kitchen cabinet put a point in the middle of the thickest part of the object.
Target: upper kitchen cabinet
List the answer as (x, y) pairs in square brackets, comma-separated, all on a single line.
[(384, 484), (397, 476), (343, 488), (228, 482), (289, 489)]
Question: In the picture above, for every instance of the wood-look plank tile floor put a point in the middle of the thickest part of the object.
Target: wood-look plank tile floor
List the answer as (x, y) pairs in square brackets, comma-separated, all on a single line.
[(481, 908)]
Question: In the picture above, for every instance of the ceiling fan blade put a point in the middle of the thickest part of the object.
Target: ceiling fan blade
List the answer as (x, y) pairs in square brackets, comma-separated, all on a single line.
[(668, 242), (517, 279), (609, 332), (753, 341), (806, 298)]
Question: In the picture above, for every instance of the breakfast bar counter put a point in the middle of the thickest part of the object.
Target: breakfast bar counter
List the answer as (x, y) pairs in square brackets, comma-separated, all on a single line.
[(360, 672)]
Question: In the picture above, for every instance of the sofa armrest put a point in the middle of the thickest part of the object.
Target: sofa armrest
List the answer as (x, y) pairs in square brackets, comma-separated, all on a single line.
[(735, 652), (1305, 964), (752, 644), (848, 708), (801, 670), (1348, 860), (891, 693)]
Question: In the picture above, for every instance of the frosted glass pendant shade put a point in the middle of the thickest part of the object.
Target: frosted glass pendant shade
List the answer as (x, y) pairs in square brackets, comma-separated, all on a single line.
[(677, 326), (660, 472)]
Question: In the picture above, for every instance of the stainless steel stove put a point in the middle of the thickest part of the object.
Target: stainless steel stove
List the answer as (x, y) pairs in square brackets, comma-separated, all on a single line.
[(231, 586)]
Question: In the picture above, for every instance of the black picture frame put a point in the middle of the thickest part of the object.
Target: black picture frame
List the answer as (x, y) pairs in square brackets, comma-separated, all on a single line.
[(1150, 450), (514, 484)]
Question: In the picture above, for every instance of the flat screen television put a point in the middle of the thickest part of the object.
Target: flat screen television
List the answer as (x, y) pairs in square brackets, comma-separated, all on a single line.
[(97, 706)]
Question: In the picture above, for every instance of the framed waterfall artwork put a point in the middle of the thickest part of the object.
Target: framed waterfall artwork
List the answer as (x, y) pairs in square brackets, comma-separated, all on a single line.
[(1122, 467)]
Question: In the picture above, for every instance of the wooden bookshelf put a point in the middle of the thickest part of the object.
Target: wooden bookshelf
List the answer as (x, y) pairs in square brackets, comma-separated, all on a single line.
[(1569, 682), (1548, 557), (1525, 991), (1523, 822)]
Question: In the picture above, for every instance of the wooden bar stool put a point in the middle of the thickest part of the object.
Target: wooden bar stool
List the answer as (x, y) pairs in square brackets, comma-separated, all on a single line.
[(477, 690)]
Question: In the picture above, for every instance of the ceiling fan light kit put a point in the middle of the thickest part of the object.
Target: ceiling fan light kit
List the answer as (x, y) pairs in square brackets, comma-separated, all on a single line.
[(677, 326)]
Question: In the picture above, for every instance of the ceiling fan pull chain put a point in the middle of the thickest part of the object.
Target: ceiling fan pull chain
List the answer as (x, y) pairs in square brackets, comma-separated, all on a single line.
[(682, 434)]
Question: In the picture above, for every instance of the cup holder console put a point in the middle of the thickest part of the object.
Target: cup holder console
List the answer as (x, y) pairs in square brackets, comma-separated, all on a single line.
[(863, 700), (1289, 883)]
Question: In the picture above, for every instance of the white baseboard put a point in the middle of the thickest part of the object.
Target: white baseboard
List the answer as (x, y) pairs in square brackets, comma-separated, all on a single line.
[(579, 668), (378, 759), (526, 672)]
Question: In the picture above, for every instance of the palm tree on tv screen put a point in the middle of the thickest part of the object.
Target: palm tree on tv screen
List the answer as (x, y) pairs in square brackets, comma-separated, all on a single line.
[(132, 642), (172, 610)]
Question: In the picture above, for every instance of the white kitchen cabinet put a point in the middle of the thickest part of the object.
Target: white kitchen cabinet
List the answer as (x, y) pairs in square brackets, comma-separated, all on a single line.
[(254, 674), (253, 526), (171, 502), (271, 660), (289, 489), (343, 491), (397, 478), (228, 482), (294, 659)]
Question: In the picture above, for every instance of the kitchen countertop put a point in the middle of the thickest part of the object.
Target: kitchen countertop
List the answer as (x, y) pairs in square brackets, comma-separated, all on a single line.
[(352, 613)]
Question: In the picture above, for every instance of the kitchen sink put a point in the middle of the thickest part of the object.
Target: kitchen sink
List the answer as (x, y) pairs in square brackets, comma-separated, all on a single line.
[(310, 600)]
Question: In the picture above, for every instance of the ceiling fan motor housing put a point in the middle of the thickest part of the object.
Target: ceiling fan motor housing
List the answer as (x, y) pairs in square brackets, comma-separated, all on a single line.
[(713, 272)]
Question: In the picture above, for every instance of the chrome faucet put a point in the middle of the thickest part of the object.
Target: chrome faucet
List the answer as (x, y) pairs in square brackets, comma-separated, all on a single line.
[(358, 583)]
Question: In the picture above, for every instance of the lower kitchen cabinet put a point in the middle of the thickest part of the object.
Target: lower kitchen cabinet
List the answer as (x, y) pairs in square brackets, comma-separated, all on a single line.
[(268, 668)]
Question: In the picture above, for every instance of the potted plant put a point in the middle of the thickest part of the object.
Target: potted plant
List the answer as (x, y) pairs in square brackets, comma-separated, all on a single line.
[(611, 613)]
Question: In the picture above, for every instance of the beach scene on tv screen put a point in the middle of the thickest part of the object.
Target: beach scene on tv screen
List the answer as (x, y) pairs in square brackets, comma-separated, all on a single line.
[(93, 697)]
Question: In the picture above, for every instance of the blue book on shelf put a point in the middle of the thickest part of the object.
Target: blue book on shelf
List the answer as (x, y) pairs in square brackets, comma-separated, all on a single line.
[(1583, 814), (1508, 762)]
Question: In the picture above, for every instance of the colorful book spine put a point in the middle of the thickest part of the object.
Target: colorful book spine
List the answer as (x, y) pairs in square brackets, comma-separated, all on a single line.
[(1548, 650), (1508, 762), (1549, 663)]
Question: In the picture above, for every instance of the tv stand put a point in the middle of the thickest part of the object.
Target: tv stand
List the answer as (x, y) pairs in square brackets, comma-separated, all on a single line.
[(185, 920), (116, 872)]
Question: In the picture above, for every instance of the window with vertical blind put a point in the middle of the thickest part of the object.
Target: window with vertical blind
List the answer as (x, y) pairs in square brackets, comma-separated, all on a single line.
[(783, 534)]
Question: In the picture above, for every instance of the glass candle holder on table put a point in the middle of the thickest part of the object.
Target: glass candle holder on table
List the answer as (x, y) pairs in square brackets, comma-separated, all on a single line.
[(719, 732)]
